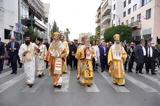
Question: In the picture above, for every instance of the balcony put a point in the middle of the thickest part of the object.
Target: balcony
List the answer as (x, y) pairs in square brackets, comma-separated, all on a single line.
[(106, 19), (135, 25), (107, 10), (36, 6), (98, 20)]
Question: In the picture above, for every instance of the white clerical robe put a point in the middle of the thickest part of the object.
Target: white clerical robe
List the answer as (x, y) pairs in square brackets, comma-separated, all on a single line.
[(29, 62), (40, 59)]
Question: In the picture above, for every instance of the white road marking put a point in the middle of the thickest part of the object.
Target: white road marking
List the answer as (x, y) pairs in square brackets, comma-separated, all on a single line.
[(6, 67), (35, 87), (93, 88), (115, 87), (38, 85), (6, 73), (65, 83), (11, 82), (140, 84), (151, 78)]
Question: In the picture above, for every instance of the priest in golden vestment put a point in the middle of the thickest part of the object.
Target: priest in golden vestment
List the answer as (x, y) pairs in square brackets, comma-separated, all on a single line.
[(84, 54), (116, 59), (55, 57), (64, 60)]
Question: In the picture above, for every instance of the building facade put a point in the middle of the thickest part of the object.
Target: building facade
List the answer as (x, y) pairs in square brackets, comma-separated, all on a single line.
[(8, 18), (103, 17), (141, 15), (18, 15)]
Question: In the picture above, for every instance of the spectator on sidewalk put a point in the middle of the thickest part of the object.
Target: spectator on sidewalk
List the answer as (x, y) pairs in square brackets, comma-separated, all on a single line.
[(2, 54), (13, 48)]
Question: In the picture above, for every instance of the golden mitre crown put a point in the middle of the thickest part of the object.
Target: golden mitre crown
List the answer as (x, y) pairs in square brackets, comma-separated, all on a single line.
[(56, 35)]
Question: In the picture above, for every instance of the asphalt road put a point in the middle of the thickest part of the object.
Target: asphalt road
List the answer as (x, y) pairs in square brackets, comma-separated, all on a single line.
[(140, 90)]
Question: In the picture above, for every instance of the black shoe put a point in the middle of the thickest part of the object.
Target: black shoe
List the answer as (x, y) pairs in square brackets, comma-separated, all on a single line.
[(88, 85), (153, 73), (59, 86), (30, 85), (12, 72), (130, 71), (141, 72), (39, 76)]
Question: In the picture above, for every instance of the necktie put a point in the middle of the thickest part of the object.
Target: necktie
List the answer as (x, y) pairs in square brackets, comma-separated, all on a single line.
[(149, 52)]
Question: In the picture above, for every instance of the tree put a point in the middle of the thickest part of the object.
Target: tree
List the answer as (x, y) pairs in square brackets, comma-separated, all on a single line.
[(123, 30), (33, 34), (55, 28), (98, 29)]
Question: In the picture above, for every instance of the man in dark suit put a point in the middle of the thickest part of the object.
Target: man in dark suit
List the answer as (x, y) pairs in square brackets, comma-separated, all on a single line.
[(2, 54), (150, 59), (131, 54), (13, 48), (140, 53), (71, 56), (103, 56)]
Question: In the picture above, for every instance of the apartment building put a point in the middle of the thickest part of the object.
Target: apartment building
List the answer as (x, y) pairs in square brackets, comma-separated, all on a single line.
[(103, 17), (141, 15)]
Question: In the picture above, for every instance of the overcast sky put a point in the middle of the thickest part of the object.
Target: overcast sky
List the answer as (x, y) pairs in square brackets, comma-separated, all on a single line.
[(77, 15)]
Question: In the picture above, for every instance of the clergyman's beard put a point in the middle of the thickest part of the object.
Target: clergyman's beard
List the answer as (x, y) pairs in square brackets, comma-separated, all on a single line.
[(27, 42)]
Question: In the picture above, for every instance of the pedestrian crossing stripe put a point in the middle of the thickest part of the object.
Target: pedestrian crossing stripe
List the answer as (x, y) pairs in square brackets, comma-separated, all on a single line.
[(35, 87), (65, 83), (140, 84), (11, 82), (157, 81), (93, 88), (116, 88), (6, 73)]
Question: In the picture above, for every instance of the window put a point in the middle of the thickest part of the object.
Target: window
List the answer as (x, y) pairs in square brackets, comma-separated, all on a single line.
[(139, 17), (148, 14), (126, 22), (124, 14), (114, 16), (7, 34), (144, 2), (132, 19), (129, 1), (129, 11), (124, 3), (135, 7), (114, 7)]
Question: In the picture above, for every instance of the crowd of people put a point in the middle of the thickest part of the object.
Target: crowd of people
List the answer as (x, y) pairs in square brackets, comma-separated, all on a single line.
[(84, 56)]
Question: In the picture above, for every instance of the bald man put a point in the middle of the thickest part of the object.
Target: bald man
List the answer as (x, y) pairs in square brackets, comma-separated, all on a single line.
[(13, 48)]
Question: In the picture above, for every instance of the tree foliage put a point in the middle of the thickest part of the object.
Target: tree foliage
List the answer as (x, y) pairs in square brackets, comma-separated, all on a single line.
[(123, 30), (55, 28), (98, 29), (33, 34)]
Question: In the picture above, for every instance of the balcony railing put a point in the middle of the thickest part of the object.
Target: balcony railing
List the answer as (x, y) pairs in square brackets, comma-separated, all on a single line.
[(107, 10), (106, 18), (136, 24)]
